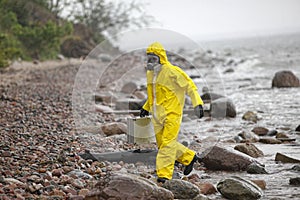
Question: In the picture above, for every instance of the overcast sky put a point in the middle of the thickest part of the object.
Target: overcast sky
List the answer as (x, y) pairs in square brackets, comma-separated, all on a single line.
[(209, 19)]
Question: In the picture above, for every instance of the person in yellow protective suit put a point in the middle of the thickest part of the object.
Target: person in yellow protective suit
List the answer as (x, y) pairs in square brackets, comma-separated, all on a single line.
[(166, 88)]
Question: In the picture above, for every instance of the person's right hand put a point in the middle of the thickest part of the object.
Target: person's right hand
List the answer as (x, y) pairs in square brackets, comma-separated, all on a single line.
[(144, 113)]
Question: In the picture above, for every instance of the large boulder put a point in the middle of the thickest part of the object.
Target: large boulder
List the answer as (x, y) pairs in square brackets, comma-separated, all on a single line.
[(75, 47), (182, 189), (114, 128), (219, 158), (239, 189), (222, 107), (285, 79), (128, 186)]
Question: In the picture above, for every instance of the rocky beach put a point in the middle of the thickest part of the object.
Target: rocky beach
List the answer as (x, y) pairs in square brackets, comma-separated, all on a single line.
[(248, 143)]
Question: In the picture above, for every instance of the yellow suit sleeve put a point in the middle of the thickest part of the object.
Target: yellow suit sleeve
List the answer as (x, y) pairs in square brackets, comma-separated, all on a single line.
[(191, 89)]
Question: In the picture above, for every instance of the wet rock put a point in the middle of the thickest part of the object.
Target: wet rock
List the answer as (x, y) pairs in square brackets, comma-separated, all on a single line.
[(222, 107), (256, 168), (260, 183), (272, 133), (237, 139), (281, 135), (114, 128), (260, 131), (298, 128), (285, 79), (206, 188), (218, 158), (181, 189), (249, 149), (117, 186), (295, 181), (249, 137), (250, 116), (285, 159), (229, 70), (296, 168), (129, 88), (239, 189), (269, 140), (208, 97)]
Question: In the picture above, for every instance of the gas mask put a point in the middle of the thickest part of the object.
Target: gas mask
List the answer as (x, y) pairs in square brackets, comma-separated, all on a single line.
[(153, 63)]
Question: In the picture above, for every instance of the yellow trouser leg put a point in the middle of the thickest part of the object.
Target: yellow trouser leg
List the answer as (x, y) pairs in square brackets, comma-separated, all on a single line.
[(169, 149)]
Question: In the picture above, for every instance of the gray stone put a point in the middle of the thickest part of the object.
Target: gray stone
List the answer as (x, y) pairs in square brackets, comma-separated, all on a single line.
[(249, 137), (285, 79), (114, 128), (296, 168), (219, 158), (239, 189), (208, 96), (295, 181), (256, 168), (249, 149), (182, 189), (128, 186), (222, 107), (272, 133), (298, 128), (129, 88), (105, 57)]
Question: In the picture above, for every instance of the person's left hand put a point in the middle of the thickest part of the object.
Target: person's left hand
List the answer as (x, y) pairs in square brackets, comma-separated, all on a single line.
[(199, 111)]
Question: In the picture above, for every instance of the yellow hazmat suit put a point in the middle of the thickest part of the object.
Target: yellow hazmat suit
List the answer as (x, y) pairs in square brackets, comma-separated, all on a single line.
[(166, 95)]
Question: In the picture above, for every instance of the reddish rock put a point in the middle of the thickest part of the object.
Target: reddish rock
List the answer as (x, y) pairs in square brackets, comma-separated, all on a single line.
[(249, 149), (207, 188), (285, 79), (269, 140), (260, 131), (260, 183), (57, 172), (117, 186), (114, 128), (218, 158)]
